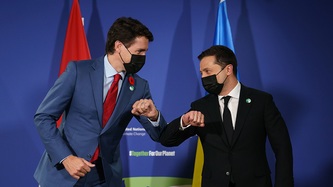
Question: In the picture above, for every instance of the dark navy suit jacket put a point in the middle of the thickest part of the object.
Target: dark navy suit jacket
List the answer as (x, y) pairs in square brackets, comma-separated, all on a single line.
[(78, 95)]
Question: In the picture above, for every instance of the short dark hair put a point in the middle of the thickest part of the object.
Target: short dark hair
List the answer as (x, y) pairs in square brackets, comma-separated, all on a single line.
[(126, 29), (223, 55)]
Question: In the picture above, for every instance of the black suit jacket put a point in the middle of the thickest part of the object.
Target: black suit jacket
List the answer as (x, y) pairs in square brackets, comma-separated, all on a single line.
[(243, 161)]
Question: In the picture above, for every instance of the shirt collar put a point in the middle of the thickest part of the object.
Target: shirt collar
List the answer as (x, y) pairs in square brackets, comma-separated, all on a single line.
[(109, 71), (234, 93)]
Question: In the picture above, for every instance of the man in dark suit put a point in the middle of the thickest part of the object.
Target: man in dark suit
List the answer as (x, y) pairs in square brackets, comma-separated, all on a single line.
[(83, 151), (233, 136)]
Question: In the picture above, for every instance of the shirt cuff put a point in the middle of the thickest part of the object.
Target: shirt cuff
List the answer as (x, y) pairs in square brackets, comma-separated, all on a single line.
[(181, 124), (155, 123), (63, 159)]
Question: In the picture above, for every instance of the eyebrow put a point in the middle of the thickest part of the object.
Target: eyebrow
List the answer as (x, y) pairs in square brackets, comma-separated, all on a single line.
[(209, 67), (205, 69), (142, 50)]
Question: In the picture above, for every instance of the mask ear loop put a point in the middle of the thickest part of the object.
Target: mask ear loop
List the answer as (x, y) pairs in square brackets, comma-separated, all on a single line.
[(221, 70), (121, 58), (127, 50)]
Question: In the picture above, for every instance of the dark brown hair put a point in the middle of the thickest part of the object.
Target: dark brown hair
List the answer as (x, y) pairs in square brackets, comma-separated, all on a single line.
[(126, 29), (223, 55)]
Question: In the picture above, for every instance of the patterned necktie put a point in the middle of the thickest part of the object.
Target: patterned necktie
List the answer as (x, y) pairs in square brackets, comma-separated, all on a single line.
[(108, 107), (227, 122)]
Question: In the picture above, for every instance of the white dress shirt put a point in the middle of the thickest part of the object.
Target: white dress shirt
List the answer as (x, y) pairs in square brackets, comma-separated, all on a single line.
[(109, 73), (232, 104)]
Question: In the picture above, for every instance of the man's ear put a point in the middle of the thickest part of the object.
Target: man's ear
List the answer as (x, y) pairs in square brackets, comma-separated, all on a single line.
[(230, 69), (117, 46)]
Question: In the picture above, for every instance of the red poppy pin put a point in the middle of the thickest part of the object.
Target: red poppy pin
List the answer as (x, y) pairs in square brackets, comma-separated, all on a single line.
[(131, 82)]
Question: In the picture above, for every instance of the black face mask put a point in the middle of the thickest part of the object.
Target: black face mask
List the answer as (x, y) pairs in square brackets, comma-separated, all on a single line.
[(136, 63), (211, 85)]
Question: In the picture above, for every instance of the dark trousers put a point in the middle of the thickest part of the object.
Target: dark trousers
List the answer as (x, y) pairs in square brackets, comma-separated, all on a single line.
[(95, 178)]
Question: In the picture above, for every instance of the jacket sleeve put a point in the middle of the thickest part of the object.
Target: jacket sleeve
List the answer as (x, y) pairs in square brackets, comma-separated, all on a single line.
[(280, 141), (52, 107), (174, 135), (154, 131)]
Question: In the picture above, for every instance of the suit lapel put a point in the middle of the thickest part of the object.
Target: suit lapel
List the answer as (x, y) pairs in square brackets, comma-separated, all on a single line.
[(122, 101), (97, 81), (244, 106), (215, 113)]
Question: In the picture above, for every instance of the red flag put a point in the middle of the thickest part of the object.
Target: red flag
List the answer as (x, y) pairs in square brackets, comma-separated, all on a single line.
[(76, 45)]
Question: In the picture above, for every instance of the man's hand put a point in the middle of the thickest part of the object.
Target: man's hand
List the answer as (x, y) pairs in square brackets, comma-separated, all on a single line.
[(145, 107), (193, 118), (77, 167)]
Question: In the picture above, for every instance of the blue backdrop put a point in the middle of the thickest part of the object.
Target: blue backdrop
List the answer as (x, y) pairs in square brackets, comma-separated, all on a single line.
[(283, 47)]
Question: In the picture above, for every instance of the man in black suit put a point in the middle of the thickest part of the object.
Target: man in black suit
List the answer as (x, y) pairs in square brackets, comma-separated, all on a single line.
[(234, 152)]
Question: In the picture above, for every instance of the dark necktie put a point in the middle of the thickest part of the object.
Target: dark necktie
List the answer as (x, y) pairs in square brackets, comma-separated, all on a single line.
[(108, 107), (227, 122)]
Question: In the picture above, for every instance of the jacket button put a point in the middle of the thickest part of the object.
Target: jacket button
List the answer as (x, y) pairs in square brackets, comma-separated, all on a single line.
[(89, 155), (227, 173)]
